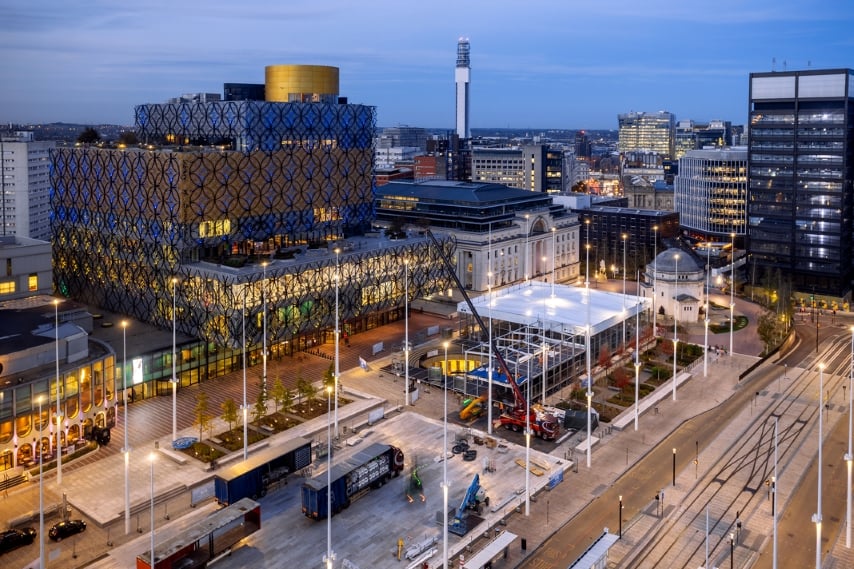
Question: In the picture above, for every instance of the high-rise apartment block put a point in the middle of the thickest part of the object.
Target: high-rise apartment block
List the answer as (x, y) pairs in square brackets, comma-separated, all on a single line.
[(711, 193), (648, 131), (800, 214), (462, 79), (25, 186)]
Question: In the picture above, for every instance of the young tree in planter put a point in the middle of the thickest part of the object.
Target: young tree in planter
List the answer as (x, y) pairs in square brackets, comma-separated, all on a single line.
[(329, 377), (303, 389), (260, 410), (310, 393), (229, 412), (201, 417), (277, 393)]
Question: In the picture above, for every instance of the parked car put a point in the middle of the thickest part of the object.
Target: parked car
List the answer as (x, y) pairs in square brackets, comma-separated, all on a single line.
[(66, 529), (15, 538)]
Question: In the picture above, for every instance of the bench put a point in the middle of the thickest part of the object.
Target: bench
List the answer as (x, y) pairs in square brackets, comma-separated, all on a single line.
[(178, 457)]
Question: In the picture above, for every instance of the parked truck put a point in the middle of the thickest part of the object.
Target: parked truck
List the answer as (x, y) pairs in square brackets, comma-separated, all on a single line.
[(263, 471), (352, 477)]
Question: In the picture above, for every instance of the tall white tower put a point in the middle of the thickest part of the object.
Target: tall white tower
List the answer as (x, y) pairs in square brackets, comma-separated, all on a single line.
[(462, 77)]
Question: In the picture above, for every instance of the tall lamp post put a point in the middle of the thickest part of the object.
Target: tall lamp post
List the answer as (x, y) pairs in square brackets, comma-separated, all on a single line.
[(706, 321), (330, 555), (405, 328), (445, 461), (654, 275), (587, 346), (849, 456), (527, 235), (554, 254), (264, 330), (675, 320), (58, 397), (174, 374), (637, 355), (126, 449), (732, 293), (816, 518), (338, 339), (151, 459), (625, 237), (41, 488), (245, 404)]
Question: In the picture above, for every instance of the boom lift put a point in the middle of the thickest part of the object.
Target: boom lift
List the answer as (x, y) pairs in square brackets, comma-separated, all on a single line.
[(474, 500), (542, 423)]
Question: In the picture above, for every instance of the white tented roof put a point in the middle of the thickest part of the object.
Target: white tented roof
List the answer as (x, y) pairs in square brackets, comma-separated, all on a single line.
[(559, 307)]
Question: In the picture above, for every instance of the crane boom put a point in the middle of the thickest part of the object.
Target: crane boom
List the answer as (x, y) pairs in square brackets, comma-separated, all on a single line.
[(521, 402)]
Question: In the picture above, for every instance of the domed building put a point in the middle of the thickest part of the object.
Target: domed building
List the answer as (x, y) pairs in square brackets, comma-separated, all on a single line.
[(678, 278)]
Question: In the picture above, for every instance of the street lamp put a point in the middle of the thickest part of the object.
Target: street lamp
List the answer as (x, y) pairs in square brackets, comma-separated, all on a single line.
[(445, 460), (41, 487), (554, 254), (330, 555), (849, 456), (675, 321), (245, 404), (338, 339), (816, 518), (264, 330), (151, 459), (637, 355), (126, 449), (706, 322), (625, 237), (731, 550), (587, 346), (174, 374), (58, 396), (621, 516), (527, 235), (674, 466), (654, 275), (405, 327), (732, 293)]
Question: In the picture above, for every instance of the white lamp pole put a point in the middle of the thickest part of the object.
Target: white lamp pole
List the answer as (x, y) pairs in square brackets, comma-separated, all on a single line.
[(174, 374), (489, 371), (528, 442), (264, 331), (527, 234), (706, 322), (625, 237), (126, 449), (330, 555), (637, 354), (151, 459), (554, 253), (245, 404), (41, 488), (675, 320), (849, 456), (445, 461), (406, 330), (338, 337), (732, 294), (654, 276), (816, 518), (58, 397), (774, 496), (587, 346)]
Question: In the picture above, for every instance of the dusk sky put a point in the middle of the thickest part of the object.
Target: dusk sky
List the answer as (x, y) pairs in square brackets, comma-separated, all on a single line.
[(535, 64)]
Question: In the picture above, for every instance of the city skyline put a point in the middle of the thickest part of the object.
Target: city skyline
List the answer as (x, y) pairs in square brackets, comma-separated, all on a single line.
[(557, 65)]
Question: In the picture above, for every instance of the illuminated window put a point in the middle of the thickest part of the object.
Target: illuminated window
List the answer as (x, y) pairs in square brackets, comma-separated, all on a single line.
[(7, 287), (33, 282), (215, 228)]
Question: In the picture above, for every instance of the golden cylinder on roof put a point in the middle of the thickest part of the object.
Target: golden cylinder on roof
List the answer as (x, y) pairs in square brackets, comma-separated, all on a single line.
[(300, 83)]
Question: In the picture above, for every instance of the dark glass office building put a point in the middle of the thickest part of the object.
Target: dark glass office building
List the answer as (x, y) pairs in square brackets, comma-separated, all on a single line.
[(800, 178)]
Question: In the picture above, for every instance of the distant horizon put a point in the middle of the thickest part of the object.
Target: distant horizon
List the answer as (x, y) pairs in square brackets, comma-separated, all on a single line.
[(554, 64)]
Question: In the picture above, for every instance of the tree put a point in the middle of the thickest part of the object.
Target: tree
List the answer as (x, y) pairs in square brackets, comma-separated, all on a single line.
[(329, 377), (605, 358), (229, 412), (770, 329), (201, 417), (303, 389), (621, 378), (277, 393), (88, 136), (128, 138), (260, 410)]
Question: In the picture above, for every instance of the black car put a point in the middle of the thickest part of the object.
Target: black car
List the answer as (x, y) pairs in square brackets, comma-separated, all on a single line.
[(66, 529), (15, 538)]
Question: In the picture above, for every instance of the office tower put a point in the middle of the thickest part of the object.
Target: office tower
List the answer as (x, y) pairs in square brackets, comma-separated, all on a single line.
[(25, 185), (394, 136), (647, 131), (531, 167), (462, 77), (711, 193), (800, 179)]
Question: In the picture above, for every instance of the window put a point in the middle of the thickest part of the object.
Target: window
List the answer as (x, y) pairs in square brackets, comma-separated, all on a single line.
[(7, 287), (33, 282)]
